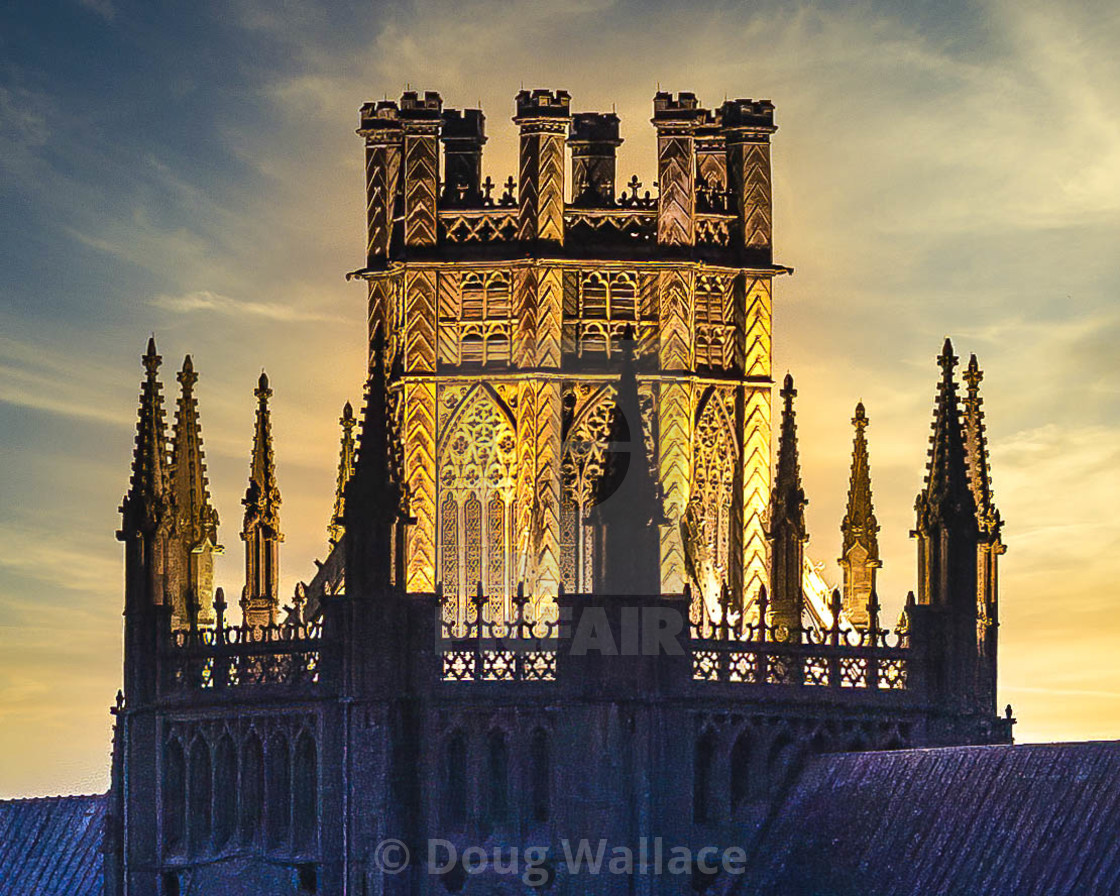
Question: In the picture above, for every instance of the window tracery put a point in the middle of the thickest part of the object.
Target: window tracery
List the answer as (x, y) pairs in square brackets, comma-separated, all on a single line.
[(607, 304), (587, 411), (709, 515), (477, 464)]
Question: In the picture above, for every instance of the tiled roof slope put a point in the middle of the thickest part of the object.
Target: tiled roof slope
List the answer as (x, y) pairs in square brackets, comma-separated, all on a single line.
[(974, 821), (52, 845)]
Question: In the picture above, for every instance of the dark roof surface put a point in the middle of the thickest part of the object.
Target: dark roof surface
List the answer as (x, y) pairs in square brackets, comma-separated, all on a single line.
[(52, 845), (1022, 820)]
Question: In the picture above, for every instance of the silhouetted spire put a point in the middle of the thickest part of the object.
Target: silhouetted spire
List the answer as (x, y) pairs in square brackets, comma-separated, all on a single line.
[(947, 490), (627, 503), (145, 505), (786, 522), (261, 527), (859, 555), (374, 498), (990, 543), (976, 446), (195, 531), (145, 524), (946, 512), (345, 471)]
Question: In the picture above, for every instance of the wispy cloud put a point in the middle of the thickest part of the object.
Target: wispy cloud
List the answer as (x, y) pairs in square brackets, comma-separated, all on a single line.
[(203, 300)]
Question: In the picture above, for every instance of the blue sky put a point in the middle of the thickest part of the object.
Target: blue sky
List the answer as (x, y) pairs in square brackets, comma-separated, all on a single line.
[(191, 169)]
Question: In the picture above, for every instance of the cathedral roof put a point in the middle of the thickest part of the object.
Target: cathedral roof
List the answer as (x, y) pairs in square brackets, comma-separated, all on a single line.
[(52, 845), (1032, 819)]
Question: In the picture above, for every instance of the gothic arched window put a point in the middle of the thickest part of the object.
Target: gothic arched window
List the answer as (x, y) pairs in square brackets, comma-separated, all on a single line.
[(473, 297), (225, 791), (174, 795), (472, 350), (740, 771), (540, 776), (455, 795), (199, 816), (477, 458), (702, 778), (252, 789), (279, 783), (497, 297), (715, 456), (624, 297), (306, 802), (497, 779)]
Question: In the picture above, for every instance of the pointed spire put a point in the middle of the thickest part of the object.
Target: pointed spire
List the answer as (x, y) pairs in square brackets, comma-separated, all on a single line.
[(345, 471), (627, 503), (788, 497), (261, 527), (976, 445), (375, 481), (145, 502), (859, 555), (990, 545), (946, 511), (786, 524), (947, 490), (263, 496), (195, 533), (145, 522), (374, 502)]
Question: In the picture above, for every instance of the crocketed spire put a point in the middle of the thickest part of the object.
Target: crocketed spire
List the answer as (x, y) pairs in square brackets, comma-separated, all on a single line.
[(195, 530), (947, 491), (145, 505), (786, 524), (990, 543), (788, 499), (859, 556), (946, 511), (261, 527), (345, 471), (976, 446), (373, 502)]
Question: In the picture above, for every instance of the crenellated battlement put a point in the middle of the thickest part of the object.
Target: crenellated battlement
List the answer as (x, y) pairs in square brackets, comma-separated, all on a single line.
[(414, 106), (425, 185), (543, 104), (755, 115)]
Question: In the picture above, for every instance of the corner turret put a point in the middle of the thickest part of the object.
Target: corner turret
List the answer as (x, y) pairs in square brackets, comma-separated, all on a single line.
[(859, 555), (261, 527), (194, 537)]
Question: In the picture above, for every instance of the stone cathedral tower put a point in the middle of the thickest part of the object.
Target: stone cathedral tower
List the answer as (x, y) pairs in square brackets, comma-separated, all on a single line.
[(506, 313), (566, 430)]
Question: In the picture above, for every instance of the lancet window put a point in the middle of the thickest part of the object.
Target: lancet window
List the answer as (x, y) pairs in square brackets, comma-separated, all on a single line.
[(477, 463), (713, 333), (587, 418), (714, 459), (607, 300), (474, 318)]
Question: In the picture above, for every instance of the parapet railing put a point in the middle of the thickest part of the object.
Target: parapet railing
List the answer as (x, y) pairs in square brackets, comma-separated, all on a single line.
[(732, 649), (484, 645), (810, 657), (281, 654), (480, 641), (632, 216)]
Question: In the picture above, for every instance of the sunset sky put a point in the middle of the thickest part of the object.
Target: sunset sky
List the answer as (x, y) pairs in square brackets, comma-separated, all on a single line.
[(191, 169)]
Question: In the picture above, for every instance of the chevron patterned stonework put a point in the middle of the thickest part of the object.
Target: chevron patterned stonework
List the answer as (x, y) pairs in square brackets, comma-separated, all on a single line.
[(541, 312)]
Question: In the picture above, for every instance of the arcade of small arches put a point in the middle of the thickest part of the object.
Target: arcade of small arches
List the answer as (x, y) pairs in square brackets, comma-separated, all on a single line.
[(246, 784)]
